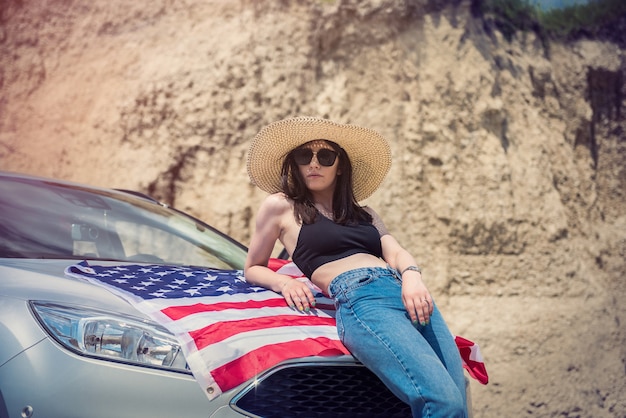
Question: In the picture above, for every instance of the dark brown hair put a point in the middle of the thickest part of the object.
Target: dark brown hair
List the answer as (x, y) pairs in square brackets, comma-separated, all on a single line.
[(345, 207)]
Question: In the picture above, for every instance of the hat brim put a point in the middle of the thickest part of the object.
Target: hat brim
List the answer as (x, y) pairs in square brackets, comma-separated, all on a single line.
[(369, 152)]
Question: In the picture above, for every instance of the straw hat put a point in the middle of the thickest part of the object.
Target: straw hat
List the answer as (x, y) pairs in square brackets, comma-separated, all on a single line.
[(369, 151)]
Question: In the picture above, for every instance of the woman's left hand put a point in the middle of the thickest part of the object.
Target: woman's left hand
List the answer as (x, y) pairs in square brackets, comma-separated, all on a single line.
[(416, 298)]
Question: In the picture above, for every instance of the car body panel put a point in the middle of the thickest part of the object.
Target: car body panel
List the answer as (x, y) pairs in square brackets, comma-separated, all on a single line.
[(36, 372), (53, 389)]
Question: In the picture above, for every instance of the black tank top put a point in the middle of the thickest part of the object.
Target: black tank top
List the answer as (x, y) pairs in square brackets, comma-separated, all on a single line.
[(324, 241)]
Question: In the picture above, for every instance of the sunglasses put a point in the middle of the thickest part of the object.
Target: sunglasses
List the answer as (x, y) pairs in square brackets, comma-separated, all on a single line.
[(304, 156)]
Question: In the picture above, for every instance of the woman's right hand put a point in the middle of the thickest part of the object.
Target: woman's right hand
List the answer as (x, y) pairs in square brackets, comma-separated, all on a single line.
[(298, 295)]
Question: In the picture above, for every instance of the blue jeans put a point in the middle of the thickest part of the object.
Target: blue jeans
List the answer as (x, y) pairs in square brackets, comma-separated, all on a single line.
[(421, 365)]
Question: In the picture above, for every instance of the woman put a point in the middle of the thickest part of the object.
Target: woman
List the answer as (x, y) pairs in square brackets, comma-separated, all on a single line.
[(316, 171)]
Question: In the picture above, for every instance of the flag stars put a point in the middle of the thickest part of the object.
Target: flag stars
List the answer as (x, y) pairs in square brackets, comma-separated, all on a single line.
[(157, 281), (158, 294)]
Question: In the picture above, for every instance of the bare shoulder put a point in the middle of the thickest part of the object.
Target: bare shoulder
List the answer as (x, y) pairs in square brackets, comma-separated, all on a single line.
[(276, 204), (275, 219), (377, 221), (372, 212), (275, 208)]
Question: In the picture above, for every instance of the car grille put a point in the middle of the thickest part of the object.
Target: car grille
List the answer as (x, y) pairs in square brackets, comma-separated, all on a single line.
[(311, 391)]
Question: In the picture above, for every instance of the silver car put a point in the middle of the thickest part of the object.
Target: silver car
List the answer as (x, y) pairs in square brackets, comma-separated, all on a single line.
[(50, 365)]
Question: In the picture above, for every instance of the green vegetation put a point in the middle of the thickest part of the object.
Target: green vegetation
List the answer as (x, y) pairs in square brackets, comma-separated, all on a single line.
[(510, 16)]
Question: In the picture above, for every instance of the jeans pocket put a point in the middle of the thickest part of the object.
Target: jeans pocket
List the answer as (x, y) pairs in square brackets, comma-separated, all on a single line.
[(359, 282)]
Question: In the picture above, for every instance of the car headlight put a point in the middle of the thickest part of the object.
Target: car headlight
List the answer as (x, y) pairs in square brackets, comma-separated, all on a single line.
[(110, 336)]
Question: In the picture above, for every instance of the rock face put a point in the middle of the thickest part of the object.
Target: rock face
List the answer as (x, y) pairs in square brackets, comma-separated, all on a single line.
[(509, 178)]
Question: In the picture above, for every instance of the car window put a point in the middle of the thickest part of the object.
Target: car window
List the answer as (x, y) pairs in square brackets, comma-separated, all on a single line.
[(41, 219)]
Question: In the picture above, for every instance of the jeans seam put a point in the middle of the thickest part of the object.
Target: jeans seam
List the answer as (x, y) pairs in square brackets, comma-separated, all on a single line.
[(398, 360)]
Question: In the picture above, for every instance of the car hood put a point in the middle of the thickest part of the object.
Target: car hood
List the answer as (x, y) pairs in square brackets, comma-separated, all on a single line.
[(45, 280)]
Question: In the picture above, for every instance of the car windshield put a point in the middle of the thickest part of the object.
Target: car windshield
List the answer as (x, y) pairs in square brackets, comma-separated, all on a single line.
[(43, 219)]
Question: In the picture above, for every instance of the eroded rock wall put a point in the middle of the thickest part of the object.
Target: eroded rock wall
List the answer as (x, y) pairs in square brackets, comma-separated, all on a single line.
[(508, 179)]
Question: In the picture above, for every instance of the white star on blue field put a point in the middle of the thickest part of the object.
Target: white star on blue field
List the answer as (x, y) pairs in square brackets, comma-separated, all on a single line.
[(157, 281)]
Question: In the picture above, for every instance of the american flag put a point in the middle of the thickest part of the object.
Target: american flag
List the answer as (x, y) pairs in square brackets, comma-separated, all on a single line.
[(229, 330)]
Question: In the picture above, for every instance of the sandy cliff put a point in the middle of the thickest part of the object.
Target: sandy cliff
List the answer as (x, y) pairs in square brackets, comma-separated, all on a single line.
[(508, 181)]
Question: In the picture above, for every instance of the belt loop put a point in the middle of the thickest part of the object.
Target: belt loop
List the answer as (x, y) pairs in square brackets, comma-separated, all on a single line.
[(394, 271)]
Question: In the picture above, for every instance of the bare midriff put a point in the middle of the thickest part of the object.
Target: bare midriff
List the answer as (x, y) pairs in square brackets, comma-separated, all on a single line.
[(326, 273)]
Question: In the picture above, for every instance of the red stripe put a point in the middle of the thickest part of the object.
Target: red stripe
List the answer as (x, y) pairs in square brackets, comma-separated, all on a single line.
[(220, 331), (259, 360), (178, 312), (276, 263)]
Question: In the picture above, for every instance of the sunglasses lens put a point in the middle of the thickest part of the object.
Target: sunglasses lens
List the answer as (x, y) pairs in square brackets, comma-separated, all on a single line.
[(326, 157), (303, 156)]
